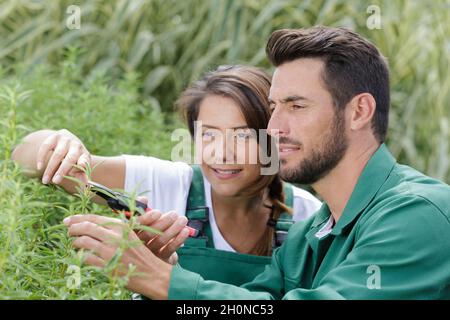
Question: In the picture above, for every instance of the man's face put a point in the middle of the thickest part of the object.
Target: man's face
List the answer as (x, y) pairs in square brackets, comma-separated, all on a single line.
[(312, 138)]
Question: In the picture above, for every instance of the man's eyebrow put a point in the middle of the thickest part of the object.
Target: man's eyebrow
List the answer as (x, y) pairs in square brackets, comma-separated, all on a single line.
[(290, 99), (234, 128)]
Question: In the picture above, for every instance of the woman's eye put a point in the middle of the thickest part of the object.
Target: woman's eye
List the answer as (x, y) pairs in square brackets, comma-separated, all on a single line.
[(208, 134), (243, 135)]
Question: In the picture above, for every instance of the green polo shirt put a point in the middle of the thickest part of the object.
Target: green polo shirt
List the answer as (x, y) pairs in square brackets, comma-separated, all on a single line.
[(391, 242)]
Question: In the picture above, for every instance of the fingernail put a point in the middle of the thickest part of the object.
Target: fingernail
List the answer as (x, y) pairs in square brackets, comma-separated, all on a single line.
[(66, 221), (173, 215), (39, 165), (57, 179), (45, 180), (187, 232)]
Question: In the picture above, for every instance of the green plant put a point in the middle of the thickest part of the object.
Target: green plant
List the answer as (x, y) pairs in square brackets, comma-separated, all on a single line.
[(37, 260), (162, 45)]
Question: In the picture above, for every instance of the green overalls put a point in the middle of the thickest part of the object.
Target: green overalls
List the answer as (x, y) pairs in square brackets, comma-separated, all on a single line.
[(199, 255)]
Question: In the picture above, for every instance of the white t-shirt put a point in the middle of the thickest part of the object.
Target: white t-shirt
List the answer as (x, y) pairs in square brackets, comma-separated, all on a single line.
[(166, 185)]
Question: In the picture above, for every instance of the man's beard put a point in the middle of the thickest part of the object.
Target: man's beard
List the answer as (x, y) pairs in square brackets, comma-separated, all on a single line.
[(323, 159)]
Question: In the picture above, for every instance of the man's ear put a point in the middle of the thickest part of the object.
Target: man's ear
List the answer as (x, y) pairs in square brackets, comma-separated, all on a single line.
[(362, 111)]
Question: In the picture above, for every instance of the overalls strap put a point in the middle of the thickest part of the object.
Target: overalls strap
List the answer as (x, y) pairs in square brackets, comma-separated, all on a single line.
[(197, 211), (285, 221)]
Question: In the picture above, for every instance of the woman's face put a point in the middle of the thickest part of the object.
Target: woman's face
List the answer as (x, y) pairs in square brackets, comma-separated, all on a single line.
[(229, 149)]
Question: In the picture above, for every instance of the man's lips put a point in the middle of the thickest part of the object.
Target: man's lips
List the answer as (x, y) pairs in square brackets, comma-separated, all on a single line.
[(287, 148)]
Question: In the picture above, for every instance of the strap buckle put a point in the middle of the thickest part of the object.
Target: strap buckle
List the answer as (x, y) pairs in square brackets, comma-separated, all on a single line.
[(280, 237), (197, 218)]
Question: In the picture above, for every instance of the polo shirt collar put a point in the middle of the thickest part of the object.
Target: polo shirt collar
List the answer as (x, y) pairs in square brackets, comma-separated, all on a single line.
[(373, 176)]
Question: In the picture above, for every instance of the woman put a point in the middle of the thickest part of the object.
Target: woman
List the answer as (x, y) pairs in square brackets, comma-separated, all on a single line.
[(241, 215)]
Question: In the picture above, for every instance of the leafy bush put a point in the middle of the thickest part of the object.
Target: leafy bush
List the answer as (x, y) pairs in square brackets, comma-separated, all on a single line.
[(37, 260), (171, 42)]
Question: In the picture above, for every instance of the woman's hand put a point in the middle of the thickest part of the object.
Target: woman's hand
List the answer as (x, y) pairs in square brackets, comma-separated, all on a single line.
[(68, 151), (101, 236), (174, 233)]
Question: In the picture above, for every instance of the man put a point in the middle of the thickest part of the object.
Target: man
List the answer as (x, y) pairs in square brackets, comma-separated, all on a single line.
[(384, 230)]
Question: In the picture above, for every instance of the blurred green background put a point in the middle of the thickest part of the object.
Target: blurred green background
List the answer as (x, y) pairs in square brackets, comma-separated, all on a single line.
[(114, 80), (163, 45)]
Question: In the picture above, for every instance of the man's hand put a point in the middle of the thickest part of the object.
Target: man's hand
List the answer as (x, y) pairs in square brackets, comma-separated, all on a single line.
[(101, 237)]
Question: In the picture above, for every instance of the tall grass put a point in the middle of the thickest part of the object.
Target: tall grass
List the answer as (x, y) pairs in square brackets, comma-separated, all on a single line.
[(169, 43), (37, 260)]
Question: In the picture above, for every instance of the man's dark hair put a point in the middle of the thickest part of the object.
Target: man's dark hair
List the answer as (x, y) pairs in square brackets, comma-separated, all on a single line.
[(353, 65)]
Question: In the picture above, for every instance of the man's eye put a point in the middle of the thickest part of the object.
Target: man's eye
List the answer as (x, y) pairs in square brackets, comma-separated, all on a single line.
[(297, 106)]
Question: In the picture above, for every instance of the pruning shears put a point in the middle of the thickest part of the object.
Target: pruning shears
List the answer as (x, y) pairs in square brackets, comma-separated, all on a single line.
[(119, 202)]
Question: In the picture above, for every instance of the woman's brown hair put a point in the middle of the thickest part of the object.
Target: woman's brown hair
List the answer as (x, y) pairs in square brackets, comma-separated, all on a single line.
[(249, 88)]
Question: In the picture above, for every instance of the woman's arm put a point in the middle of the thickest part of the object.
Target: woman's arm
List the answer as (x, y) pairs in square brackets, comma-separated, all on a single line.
[(57, 152)]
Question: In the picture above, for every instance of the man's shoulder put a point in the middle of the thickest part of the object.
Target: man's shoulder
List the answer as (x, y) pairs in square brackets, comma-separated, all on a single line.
[(412, 184), (408, 194)]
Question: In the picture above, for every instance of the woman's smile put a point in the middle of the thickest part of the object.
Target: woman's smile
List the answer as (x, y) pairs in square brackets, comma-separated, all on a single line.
[(226, 174)]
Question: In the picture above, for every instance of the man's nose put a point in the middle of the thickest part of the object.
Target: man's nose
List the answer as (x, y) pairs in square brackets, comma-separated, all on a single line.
[(277, 124)]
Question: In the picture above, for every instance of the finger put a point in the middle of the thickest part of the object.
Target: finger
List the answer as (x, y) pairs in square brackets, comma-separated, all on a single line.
[(161, 224), (147, 220), (93, 260), (55, 160), (78, 174), (83, 178), (173, 259), (166, 252), (165, 221), (170, 233), (95, 246), (75, 172), (87, 228), (70, 159), (83, 161), (48, 144), (107, 222)]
